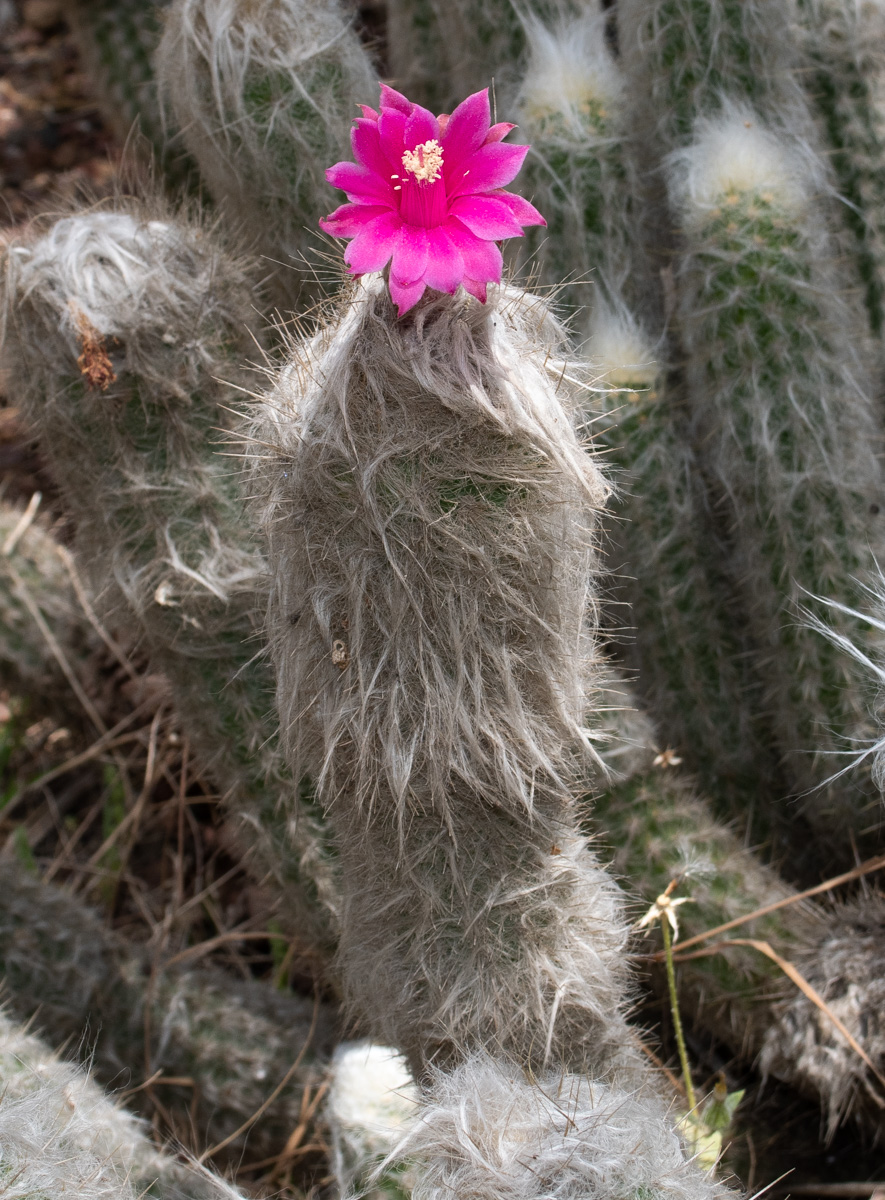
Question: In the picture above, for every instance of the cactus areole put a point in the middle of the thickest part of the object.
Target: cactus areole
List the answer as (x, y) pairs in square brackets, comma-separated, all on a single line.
[(426, 195)]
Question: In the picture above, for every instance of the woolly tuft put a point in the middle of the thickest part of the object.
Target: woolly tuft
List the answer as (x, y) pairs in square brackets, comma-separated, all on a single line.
[(732, 153), (264, 93), (620, 350), (430, 510), (372, 1097), (489, 1132), (570, 73)]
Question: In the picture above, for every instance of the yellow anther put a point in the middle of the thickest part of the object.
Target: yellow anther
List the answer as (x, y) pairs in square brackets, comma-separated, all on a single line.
[(425, 161)]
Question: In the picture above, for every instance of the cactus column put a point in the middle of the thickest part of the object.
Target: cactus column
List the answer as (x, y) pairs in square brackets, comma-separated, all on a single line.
[(120, 331)]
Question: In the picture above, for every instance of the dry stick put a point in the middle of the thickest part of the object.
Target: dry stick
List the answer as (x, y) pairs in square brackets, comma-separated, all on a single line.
[(23, 525), (865, 868), (231, 935), (803, 985)]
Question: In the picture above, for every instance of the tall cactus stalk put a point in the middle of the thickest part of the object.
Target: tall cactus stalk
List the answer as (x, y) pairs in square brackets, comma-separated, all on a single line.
[(430, 514), (264, 93), (843, 44), (683, 641), (120, 333), (117, 40), (789, 435), (61, 1136), (234, 1040), (573, 113), (663, 829)]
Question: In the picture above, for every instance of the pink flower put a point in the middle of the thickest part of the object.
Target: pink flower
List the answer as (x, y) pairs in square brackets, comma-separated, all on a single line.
[(427, 193)]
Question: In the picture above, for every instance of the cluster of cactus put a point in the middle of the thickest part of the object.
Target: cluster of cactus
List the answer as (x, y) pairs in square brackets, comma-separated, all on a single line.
[(420, 562)]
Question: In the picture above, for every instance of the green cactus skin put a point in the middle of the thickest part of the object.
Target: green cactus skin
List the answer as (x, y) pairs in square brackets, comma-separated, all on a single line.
[(159, 520), (60, 1135), (661, 828), (844, 46), (264, 93), (235, 1039), (789, 438)]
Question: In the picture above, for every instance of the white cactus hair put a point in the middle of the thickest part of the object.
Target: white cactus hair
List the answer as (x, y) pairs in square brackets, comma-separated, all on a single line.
[(569, 67), (870, 660), (733, 151), (490, 1132), (619, 347)]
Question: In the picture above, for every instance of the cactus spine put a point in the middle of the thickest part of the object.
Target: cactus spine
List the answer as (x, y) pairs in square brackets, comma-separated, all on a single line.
[(153, 313), (429, 509), (264, 93)]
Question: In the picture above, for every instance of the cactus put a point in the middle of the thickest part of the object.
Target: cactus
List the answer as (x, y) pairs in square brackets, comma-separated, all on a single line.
[(234, 1039), (429, 510), (415, 47), (661, 828), (789, 437), (120, 331), (264, 93), (60, 1135)]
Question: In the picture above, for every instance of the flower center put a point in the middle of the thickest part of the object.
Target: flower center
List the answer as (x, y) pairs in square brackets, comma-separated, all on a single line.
[(425, 161)]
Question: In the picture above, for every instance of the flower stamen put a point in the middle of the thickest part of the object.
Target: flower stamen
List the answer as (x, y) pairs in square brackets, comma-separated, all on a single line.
[(425, 161)]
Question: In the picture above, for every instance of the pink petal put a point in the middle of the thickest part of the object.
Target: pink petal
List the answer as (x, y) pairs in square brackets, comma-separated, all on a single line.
[(476, 288), (445, 266), (410, 255), (392, 130), (422, 126), (524, 212), (489, 168), (482, 260), (371, 249), (368, 113), (443, 119), (466, 128), (406, 296), (360, 184), (366, 143), (498, 132), (486, 216), (392, 99), (350, 219)]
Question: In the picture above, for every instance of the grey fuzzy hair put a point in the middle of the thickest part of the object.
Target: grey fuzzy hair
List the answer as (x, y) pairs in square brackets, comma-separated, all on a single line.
[(430, 509), (489, 1131)]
